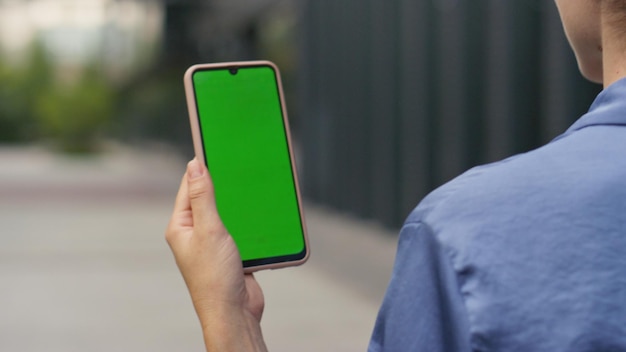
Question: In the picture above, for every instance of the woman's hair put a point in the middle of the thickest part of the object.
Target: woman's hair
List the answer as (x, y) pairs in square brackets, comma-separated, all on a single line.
[(616, 9), (614, 12)]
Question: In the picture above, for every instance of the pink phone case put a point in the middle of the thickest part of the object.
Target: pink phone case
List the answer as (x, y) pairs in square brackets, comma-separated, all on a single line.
[(199, 150)]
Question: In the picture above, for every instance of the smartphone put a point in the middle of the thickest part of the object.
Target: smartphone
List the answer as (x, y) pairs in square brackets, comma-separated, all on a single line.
[(241, 132)]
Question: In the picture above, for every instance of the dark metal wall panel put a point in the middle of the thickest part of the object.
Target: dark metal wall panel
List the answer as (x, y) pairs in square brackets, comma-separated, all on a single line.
[(498, 98), (451, 122), (399, 96), (383, 110), (416, 105)]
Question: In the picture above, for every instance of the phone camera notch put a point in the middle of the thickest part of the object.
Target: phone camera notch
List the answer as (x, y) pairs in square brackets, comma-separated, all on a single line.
[(233, 70)]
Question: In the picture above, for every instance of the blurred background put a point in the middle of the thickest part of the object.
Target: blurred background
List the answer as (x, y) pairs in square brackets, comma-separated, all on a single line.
[(387, 100)]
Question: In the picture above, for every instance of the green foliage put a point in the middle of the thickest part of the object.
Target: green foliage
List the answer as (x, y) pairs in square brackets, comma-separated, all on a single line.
[(8, 121), (69, 113), (20, 85), (73, 116)]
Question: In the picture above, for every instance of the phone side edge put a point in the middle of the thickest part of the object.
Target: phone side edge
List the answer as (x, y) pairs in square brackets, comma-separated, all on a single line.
[(192, 108)]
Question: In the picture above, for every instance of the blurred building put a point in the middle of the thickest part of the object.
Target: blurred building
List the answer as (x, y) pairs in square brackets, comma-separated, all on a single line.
[(116, 34), (219, 30)]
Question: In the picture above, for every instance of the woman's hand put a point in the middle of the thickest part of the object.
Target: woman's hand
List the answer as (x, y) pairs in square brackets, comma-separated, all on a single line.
[(229, 304)]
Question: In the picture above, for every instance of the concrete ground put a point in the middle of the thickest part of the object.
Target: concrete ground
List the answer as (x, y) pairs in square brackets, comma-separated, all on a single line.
[(84, 265)]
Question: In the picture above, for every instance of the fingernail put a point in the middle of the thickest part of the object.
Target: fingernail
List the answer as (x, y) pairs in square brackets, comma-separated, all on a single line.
[(194, 169)]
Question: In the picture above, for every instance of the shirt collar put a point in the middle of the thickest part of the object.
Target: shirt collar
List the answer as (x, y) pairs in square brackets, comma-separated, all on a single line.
[(609, 108)]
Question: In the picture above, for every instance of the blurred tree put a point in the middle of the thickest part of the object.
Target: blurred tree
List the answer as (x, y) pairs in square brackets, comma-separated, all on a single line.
[(73, 115), (19, 88), (69, 113), (9, 124)]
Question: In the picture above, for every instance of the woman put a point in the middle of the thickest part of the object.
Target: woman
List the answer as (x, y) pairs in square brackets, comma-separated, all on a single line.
[(521, 255)]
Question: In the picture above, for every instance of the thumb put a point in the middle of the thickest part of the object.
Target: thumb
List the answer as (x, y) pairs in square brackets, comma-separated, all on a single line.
[(202, 198)]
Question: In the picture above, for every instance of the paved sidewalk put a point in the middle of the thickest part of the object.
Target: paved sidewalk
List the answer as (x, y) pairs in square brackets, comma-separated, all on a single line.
[(84, 265)]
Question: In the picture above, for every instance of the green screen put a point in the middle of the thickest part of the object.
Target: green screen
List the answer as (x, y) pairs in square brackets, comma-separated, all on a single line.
[(246, 150)]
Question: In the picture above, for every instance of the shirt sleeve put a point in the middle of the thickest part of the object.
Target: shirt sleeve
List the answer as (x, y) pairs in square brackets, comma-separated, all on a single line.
[(423, 309)]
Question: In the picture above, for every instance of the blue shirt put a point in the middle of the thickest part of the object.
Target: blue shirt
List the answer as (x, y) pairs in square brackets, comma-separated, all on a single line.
[(527, 254)]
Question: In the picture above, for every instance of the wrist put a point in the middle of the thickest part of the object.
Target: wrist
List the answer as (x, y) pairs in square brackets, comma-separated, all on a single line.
[(231, 330)]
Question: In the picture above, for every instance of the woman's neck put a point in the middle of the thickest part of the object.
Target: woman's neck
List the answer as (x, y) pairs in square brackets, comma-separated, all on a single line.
[(613, 52)]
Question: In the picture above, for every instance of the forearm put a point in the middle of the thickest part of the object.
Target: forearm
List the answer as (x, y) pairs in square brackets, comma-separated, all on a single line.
[(232, 332)]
